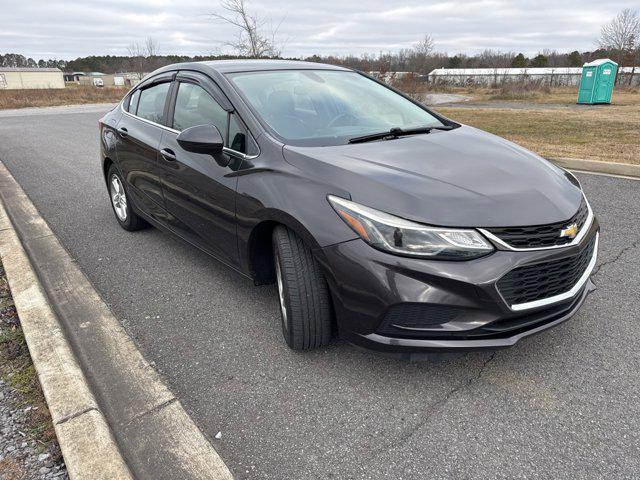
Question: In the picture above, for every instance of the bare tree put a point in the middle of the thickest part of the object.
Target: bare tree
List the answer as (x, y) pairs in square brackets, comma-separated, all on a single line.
[(622, 37), (425, 46), (256, 36), (420, 54), (142, 56), (151, 47)]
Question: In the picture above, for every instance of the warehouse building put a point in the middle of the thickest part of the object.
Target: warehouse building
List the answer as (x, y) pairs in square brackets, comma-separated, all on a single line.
[(73, 77), (30, 78), (98, 79), (559, 76)]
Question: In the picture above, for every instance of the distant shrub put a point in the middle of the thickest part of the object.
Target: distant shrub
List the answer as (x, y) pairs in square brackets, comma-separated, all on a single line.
[(519, 90)]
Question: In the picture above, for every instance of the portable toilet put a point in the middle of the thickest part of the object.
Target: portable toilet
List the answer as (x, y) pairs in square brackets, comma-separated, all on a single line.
[(596, 84)]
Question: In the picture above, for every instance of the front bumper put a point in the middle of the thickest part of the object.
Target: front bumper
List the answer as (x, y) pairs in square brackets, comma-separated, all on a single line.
[(367, 285)]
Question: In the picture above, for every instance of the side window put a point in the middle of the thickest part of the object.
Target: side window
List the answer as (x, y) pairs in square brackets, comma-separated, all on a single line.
[(194, 107), (151, 103), (133, 102), (239, 139)]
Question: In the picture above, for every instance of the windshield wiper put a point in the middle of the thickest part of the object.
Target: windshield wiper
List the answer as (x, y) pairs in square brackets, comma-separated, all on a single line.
[(397, 132)]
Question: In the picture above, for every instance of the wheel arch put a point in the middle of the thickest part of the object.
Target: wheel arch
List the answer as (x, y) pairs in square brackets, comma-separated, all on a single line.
[(106, 165), (259, 247)]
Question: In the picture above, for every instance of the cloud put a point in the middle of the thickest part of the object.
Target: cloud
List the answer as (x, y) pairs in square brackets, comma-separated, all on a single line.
[(68, 29)]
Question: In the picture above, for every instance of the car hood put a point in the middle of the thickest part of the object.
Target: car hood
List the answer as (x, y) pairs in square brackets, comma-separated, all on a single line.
[(464, 177)]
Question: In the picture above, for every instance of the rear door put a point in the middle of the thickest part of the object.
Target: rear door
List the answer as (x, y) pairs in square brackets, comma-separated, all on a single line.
[(140, 131), (200, 189)]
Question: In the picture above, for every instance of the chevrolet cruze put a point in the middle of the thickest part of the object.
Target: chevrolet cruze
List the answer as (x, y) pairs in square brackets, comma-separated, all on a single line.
[(377, 218)]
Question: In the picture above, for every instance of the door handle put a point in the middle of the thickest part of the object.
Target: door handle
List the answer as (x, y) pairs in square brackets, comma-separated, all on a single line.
[(168, 154), (123, 132)]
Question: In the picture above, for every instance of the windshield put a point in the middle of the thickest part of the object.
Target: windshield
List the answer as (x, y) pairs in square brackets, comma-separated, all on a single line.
[(327, 107)]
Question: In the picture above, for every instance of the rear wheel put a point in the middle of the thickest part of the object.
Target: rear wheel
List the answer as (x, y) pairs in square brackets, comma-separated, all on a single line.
[(305, 304), (121, 203)]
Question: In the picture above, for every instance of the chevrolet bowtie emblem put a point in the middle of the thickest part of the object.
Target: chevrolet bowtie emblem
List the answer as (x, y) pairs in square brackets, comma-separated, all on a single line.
[(569, 231)]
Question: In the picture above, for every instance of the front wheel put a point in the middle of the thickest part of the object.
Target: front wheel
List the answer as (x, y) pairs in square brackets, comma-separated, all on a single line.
[(305, 303)]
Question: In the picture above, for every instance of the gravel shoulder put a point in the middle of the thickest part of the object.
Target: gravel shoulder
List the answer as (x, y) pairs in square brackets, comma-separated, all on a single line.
[(442, 98), (28, 445)]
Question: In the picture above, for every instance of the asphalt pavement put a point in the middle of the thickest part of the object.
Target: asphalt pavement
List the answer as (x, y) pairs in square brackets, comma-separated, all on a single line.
[(563, 404)]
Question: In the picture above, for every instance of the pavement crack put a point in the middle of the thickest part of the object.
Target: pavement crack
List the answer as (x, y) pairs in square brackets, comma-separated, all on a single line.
[(433, 408), (75, 415), (617, 257), (157, 408)]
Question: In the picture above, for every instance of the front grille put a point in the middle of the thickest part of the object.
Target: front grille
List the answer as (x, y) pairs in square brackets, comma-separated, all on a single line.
[(541, 235), (409, 316), (544, 280)]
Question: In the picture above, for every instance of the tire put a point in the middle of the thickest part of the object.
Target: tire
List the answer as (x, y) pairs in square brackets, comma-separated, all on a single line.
[(305, 303), (121, 202)]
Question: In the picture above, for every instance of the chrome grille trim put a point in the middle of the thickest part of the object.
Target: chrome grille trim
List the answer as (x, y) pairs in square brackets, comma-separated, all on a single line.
[(583, 231)]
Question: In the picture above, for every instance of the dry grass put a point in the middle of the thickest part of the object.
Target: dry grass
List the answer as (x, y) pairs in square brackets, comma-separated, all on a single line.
[(10, 469), (519, 91), (549, 122), (72, 95), (606, 133), (17, 370)]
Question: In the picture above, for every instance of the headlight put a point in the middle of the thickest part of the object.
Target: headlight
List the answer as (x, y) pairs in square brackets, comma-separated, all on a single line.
[(396, 235)]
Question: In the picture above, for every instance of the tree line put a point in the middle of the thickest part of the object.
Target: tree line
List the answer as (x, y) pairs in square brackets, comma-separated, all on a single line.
[(403, 60), (103, 63)]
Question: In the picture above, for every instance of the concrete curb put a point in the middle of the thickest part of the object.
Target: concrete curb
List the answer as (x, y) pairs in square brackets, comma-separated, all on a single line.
[(152, 431), (608, 168), (88, 447)]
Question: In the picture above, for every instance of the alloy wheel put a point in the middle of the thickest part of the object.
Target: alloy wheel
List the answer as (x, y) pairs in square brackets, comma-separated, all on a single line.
[(118, 198)]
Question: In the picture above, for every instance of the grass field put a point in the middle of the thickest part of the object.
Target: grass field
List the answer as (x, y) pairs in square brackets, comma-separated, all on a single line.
[(552, 125), (71, 95)]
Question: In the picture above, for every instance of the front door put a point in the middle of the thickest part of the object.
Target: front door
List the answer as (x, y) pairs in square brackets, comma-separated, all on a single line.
[(199, 195)]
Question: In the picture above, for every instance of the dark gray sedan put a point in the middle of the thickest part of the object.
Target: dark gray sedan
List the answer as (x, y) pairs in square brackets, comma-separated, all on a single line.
[(378, 219)]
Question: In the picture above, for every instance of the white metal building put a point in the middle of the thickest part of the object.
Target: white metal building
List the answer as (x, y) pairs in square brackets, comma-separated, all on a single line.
[(30, 78), (559, 76)]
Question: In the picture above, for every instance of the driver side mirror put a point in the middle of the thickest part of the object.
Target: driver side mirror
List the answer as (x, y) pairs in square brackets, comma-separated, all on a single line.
[(201, 139)]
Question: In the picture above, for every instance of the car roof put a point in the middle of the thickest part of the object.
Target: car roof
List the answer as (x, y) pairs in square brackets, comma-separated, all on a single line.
[(246, 65)]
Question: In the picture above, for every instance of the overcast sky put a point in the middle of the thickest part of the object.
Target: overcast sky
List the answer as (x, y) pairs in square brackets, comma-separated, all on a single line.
[(68, 29)]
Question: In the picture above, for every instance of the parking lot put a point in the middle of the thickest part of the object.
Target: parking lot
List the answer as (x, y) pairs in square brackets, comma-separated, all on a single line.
[(563, 404)]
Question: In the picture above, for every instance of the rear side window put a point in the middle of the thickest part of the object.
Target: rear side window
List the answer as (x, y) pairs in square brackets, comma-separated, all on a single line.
[(194, 106), (133, 102), (151, 103)]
